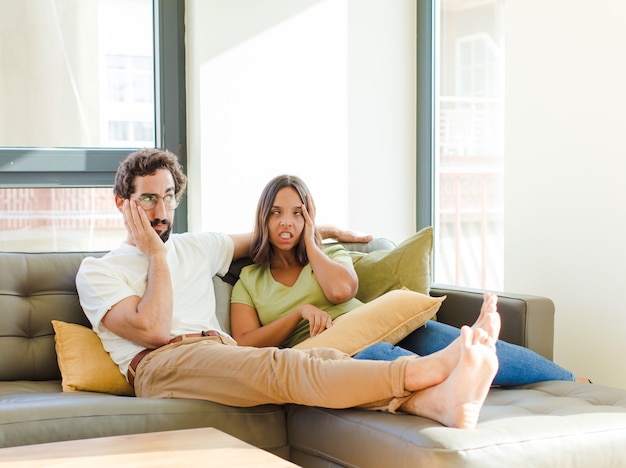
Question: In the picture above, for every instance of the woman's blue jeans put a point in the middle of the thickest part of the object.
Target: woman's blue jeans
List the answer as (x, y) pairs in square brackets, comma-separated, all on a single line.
[(518, 365)]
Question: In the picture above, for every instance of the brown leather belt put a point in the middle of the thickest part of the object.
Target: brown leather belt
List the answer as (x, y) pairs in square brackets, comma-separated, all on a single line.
[(143, 353)]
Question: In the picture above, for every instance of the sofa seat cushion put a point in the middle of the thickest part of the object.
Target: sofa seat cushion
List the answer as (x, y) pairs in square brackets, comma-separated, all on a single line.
[(28, 386), (38, 412), (540, 425)]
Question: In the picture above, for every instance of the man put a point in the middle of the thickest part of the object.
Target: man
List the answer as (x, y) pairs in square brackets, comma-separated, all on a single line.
[(151, 302)]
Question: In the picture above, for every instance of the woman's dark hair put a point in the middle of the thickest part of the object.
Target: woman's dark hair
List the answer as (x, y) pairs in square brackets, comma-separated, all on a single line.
[(261, 249), (145, 162)]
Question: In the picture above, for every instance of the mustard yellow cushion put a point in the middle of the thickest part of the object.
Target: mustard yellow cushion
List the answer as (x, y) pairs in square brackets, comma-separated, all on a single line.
[(408, 265), (390, 318), (84, 364)]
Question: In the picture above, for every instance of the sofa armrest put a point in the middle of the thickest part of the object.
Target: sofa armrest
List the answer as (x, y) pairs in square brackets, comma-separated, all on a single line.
[(526, 320)]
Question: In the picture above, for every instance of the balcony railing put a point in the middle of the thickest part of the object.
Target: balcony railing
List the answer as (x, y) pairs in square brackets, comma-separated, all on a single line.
[(470, 193)]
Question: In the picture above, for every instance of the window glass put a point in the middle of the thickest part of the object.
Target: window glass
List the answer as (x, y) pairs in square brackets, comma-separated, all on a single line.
[(59, 219), (76, 73), (469, 161)]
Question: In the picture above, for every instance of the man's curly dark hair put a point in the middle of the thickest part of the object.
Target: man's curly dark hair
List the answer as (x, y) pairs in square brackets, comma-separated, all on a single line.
[(145, 162)]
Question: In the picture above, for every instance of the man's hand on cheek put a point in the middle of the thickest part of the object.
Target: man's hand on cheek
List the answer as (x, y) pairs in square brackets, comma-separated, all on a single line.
[(140, 232)]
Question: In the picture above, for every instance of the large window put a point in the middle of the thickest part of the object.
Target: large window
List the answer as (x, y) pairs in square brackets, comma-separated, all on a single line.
[(468, 143), (81, 86)]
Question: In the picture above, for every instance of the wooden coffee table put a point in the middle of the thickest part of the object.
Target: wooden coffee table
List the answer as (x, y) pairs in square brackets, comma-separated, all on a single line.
[(187, 447)]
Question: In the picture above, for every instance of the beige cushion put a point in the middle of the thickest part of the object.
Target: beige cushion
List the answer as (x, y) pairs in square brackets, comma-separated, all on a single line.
[(406, 266), (389, 318), (84, 364)]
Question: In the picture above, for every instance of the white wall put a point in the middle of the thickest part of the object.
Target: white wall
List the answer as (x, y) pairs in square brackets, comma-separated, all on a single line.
[(382, 122), (565, 172), (301, 86)]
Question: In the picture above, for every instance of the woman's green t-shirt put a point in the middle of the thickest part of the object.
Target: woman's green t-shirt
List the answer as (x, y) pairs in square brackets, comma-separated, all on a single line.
[(257, 288)]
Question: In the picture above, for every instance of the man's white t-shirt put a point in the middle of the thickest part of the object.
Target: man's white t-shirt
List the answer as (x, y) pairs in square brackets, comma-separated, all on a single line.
[(193, 259)]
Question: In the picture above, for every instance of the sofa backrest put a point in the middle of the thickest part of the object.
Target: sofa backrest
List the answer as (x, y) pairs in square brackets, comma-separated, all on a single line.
[(36, 288)]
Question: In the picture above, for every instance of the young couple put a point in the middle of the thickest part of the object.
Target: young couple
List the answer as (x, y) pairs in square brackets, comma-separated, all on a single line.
[(152, 305)]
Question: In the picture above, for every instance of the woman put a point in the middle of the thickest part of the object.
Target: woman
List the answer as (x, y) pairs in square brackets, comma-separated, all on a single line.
[(296, 288)]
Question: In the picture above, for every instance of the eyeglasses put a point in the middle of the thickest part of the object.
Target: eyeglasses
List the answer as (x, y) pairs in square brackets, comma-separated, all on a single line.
[(149, 201)]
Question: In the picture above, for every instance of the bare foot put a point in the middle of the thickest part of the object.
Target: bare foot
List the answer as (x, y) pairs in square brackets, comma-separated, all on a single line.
[(438, 366), (489, 318), (432, 369), (447, 359), (456, 402), (583, 380)]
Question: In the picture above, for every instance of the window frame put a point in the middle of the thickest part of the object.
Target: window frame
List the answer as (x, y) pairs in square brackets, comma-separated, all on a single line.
[(425, 109), (35, 167)]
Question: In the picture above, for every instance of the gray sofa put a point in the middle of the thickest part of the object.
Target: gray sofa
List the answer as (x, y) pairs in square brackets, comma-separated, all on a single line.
[(546, 424)]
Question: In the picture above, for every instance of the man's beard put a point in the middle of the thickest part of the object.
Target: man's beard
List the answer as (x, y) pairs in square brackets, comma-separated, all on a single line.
[(165, 235)]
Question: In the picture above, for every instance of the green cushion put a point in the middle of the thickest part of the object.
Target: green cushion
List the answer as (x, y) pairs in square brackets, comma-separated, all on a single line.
[(408, 265)]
